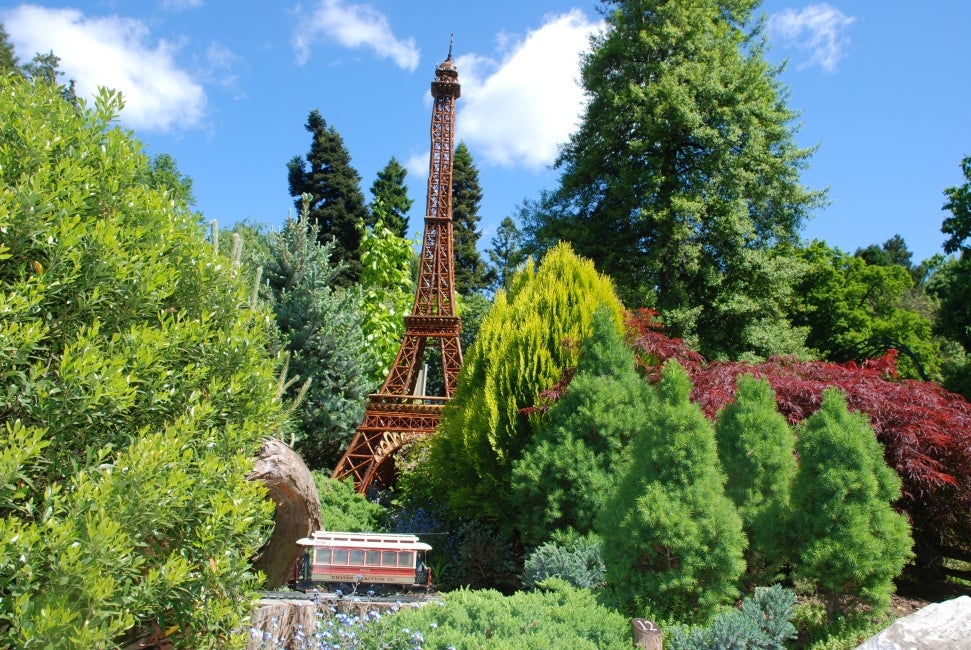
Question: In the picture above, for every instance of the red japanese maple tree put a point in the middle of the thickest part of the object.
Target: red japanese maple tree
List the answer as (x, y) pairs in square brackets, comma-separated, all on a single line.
[(925, 430)]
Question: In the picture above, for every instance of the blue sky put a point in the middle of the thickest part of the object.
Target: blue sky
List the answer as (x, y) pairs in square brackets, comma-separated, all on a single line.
[(225, 88)]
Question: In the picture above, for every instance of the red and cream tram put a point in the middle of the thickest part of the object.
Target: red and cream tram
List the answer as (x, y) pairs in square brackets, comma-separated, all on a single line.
[(362, 562)]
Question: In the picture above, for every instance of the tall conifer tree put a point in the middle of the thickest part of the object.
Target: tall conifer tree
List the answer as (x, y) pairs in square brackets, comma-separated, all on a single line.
[(8, 58), (390, 191), (684, 170), (505, 254), (337, 203), (470, 270)]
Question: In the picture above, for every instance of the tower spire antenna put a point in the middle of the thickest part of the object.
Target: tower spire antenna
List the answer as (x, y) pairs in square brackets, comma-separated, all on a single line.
[(451, 42)]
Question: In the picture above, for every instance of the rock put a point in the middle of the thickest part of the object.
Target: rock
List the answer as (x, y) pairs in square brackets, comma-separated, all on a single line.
[(941, 626), (292, 488)]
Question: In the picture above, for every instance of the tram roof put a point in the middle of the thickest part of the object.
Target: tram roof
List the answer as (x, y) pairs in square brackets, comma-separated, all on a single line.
[(380, 541)]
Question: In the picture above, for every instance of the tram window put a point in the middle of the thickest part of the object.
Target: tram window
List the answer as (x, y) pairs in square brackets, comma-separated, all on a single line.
[(373, 558), (406, 559), (357, 557), (322, 556), (389, 558), (340, 556)]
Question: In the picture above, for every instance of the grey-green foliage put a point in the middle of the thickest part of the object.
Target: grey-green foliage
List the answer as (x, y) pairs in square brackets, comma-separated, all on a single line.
[(755, 445), (575, 559), (570, 468), (559, 617), (673, 541), (321, 327), (763, 622), (136, 390), (848, 541)]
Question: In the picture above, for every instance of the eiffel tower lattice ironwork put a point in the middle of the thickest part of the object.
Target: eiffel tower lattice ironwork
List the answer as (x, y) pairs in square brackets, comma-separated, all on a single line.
[(395, 415)]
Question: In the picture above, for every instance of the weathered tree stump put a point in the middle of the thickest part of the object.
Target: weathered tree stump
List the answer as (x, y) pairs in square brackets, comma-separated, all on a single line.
[(275, 623), (292, 488), (647, 635)]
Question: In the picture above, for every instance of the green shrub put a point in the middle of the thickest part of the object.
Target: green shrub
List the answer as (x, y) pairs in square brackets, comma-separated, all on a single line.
[(673, 541), (558, 617), (137, 389), (485, 559), (849, 542), (755, 445), (342, 508), (570, 467)]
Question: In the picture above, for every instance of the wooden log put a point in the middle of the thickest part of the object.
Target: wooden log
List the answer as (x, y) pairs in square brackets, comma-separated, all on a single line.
[(291, 487), (647, 635)]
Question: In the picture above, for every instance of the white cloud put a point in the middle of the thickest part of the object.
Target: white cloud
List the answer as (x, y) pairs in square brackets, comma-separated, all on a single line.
[(116, 53), (819, 30), (517, 111), (353, 25)]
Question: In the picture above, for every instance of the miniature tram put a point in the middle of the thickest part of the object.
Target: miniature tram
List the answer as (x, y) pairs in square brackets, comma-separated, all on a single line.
[(373, 563)]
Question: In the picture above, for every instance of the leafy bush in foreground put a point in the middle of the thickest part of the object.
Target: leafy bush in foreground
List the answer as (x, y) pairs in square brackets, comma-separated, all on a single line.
[(136, 390)]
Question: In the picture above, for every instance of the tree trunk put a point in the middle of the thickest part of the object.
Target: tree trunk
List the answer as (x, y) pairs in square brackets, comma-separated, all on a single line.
[(292, 488)]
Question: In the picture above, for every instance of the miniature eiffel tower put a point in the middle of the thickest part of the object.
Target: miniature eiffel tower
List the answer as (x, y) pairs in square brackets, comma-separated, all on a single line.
[(395, 414)]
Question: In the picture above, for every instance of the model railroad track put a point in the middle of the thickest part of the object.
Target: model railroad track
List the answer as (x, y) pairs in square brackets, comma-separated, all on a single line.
[(330, 596)]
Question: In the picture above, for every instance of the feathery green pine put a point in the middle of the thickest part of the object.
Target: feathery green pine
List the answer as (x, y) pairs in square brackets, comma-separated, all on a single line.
[(673, 541), (755, 445), (849, 542), (523, 347), (137, 390), (570, 467)]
